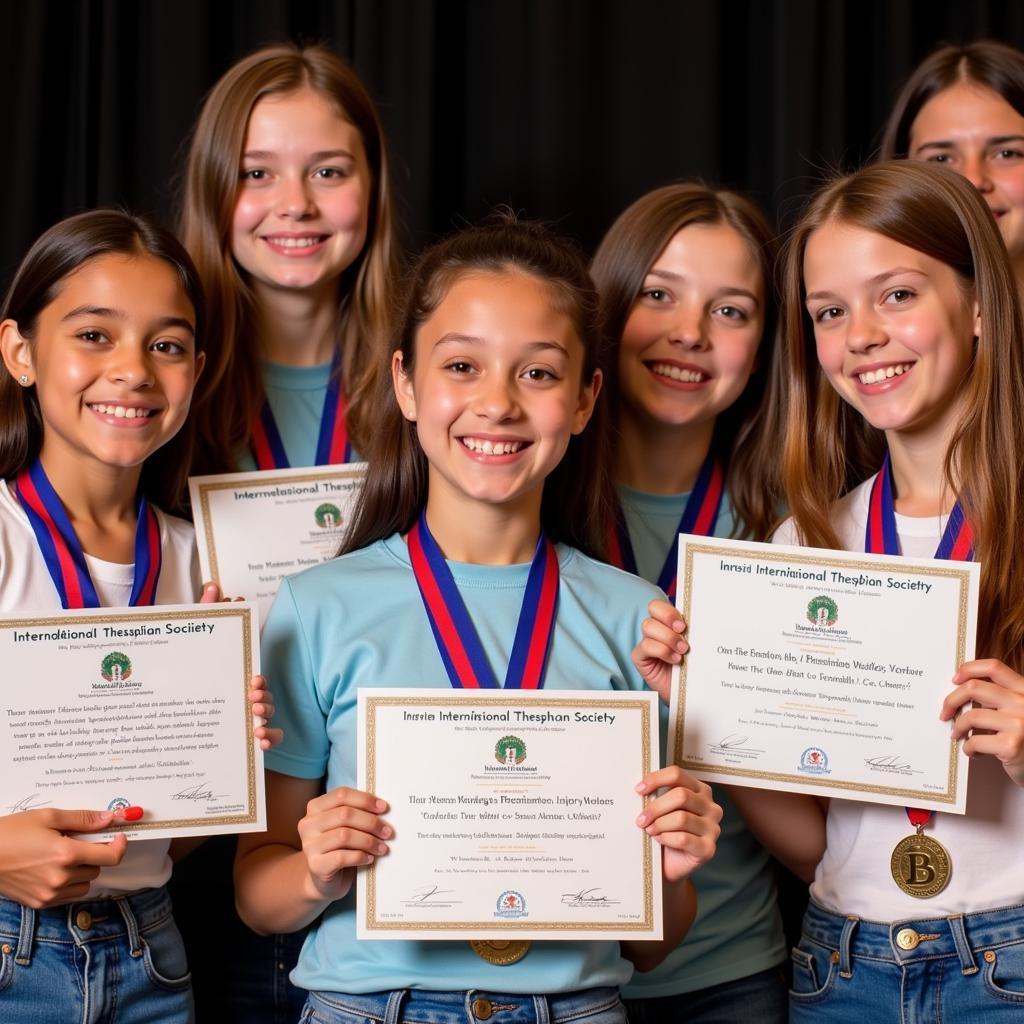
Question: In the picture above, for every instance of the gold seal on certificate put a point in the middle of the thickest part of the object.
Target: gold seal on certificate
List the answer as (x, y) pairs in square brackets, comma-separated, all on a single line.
[(821, 671), (253, 529), (500, 952), (920, 865), (514, 814)]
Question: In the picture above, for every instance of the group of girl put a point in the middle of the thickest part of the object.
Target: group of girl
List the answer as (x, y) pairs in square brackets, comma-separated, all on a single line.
[(520, 411)]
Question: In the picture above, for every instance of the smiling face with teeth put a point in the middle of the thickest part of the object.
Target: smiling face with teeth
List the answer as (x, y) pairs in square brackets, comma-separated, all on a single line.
[(894, 329), (300, 218), (113, 357), (495, 393), (690, 342)]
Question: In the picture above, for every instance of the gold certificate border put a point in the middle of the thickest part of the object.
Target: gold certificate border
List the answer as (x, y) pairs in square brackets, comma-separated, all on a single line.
[(205, 486), (961, 574), (110, 617), (489, 928)]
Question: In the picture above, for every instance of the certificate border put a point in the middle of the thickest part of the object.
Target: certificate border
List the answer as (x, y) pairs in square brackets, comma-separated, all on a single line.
[(873, 565), (109, 616), (371, 923), (258, 479)]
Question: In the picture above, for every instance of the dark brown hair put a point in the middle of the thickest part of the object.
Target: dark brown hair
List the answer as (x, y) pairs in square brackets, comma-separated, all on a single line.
[(235, 385), (830, 448), (995, 66), (58, 252), (624, 258), (577, 501)]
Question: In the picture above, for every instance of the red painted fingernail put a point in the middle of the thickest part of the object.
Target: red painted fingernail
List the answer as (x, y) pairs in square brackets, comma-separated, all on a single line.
[(132, 813)]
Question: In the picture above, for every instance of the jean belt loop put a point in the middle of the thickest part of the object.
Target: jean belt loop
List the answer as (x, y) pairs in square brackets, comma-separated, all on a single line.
[(541, 1010), (845, 941), (394, 1007), (26, 934), (963, 947), (134, 938)]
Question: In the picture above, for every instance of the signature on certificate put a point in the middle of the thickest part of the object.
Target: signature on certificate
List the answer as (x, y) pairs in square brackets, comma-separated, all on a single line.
[(736, 744), (28, 803), (430, 894), (587, 898), (199, 791), (891, 763)]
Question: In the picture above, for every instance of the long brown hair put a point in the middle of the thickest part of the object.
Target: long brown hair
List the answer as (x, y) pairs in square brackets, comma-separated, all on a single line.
[(578, 498), (58, 252), (622, 261), (830, 448), (985, 62), (235, 386)]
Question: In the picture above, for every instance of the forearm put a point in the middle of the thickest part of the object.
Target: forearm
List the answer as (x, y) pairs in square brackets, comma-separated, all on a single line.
[(274, 892), (790, 826), (679, 903)]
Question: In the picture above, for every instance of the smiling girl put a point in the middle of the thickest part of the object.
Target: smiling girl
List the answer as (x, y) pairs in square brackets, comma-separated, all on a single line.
[(963, 108), (685, 278), (483, 470), (101, 336), (903, 363), (288, 215)]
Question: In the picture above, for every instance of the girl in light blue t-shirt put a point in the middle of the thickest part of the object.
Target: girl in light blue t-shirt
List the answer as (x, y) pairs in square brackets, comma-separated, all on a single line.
[(685, 279), (477, 475)]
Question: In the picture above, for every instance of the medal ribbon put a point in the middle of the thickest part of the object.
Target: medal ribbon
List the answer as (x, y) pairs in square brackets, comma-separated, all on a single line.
[(457, 640), (700, 516), (880, 538), (332, 446), (63, 553)]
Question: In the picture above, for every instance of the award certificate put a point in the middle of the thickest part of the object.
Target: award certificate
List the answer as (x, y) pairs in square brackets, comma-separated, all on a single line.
[(514, 814), (146, 707), (253, 529), (818, 671)]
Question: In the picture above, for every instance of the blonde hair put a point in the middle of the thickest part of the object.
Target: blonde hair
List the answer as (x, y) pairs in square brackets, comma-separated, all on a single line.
[(235, 387), (830, 448)]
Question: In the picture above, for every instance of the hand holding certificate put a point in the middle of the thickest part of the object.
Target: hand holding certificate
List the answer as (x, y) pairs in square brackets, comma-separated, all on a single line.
[(822, 671), (514, 815), (139, 707)]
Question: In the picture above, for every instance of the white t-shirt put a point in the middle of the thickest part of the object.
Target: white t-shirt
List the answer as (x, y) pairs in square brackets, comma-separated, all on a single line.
[(26, 586), (984, 844)]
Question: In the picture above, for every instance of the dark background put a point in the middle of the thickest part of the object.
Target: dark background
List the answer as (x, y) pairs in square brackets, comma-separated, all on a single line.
[(565, 109)]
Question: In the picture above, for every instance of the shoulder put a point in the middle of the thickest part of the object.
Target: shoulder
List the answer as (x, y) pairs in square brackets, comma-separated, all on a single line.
[(176, 531), (848, 516), (368, 576), (606, 584)]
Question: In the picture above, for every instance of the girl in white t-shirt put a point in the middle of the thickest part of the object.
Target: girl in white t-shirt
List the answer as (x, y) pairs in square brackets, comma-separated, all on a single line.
[(903, 377), (101, 339)]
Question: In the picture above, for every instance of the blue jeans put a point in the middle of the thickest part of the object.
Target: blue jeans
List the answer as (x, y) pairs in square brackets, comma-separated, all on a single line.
[(112, 961), (760, 998), (957, 969), (416, 1006)]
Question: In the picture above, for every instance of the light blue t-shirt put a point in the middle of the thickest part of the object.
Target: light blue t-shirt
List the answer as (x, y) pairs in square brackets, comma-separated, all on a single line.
[(359, 621), (738, 930), (296, 397)]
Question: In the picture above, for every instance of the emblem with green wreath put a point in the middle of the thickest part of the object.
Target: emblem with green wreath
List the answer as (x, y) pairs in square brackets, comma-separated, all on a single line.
[(510, 750), (822, 611), (116, 667), (328, 516)]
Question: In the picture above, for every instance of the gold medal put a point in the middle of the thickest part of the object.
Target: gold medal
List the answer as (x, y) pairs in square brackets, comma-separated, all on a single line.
[(920, 866), (501, 952)]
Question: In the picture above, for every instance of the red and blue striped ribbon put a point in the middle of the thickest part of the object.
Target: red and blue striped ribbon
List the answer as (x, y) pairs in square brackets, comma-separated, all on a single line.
[(457, 640), (700, 516), (880, 537), (332, 446), (63, 553)]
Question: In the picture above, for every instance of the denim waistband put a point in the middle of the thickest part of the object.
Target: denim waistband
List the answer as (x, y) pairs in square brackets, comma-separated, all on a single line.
[(83, 922), (914, 939), (426, 1007)]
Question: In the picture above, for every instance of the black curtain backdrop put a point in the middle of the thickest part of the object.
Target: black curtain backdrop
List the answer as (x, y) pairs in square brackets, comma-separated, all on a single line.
[(565, 109)]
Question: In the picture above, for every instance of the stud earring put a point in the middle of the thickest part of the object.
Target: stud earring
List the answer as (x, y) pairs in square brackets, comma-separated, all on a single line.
[(23, 379)]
